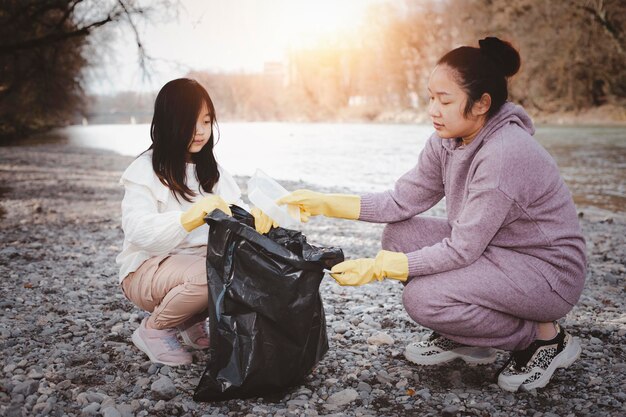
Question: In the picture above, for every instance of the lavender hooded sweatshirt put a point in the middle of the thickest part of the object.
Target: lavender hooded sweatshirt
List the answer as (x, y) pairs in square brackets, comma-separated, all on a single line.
[(503, 192)]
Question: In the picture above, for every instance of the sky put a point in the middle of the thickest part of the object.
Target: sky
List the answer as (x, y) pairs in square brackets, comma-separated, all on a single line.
[(218, 35)]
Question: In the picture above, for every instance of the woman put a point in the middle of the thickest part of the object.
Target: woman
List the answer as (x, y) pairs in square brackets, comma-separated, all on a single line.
[(508, 261), (169, 189)]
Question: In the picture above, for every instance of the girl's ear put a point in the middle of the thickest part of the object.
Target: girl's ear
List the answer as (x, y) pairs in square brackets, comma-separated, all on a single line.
[(482, 106)]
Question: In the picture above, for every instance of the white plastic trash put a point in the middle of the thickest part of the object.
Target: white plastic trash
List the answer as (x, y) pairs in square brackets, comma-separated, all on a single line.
[(263, 191)]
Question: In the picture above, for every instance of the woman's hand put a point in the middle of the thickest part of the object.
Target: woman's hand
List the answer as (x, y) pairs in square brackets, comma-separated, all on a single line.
[(194, 216), (361, 271), (312, 203), (262, 222)]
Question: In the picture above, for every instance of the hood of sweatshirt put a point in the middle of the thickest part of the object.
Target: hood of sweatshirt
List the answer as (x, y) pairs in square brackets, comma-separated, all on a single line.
[(508, 114)]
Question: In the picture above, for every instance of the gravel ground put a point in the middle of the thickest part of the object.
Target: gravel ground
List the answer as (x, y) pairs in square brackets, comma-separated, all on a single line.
[(65, 326)]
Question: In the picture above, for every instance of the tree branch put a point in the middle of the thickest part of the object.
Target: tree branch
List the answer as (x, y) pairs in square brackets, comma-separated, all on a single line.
[(141, 50), (55, 36), (599, 15), (68, 13)]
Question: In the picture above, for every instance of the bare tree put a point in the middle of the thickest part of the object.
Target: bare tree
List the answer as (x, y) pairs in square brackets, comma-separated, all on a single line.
[(572, 51), (43, 52)]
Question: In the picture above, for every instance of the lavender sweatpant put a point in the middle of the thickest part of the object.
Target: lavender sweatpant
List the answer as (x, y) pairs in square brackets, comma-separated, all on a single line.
[(478, 305)]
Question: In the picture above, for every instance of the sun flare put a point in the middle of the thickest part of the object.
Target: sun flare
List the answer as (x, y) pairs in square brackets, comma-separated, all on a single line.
[(307, 22)]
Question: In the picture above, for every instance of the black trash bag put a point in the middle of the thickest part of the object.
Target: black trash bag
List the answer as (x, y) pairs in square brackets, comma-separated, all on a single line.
[(267, 327)]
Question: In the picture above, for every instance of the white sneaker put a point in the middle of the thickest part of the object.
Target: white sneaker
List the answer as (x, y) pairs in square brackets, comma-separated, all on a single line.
[(533, 367), (438, 349)]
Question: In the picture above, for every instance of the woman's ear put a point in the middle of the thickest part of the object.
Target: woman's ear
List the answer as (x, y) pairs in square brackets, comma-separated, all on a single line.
[(482, 106)]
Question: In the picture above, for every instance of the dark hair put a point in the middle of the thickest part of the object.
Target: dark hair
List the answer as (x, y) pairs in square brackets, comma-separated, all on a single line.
[(484, 70), (176, 111)]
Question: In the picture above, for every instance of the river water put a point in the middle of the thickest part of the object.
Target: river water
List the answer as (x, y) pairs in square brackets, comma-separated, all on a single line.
[(370, 157)]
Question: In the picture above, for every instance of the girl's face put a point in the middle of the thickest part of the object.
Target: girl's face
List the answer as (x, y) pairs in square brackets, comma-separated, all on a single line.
[(203, 130), (447, 104)]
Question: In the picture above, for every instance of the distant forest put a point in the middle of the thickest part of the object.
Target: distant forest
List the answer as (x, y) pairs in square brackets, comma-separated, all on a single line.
[(573, 59)]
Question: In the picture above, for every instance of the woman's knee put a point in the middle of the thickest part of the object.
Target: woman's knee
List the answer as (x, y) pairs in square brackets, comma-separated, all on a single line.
[(419, 300), (392, 237)]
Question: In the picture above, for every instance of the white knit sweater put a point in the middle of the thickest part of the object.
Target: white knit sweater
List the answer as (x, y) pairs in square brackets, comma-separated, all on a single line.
[(151, 214)]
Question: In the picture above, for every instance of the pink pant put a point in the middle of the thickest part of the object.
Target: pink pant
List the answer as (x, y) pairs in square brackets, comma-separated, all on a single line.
[(172, 287), (478, 305)]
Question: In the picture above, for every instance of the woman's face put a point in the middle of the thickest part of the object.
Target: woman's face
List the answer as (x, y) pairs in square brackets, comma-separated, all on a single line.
[(203, 130), (447, 104)]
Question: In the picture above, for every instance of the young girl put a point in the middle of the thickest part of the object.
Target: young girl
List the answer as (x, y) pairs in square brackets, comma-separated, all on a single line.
[(509, 259), (168, 191)]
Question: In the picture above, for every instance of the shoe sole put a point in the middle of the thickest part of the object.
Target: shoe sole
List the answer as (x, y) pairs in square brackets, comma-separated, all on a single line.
[(449, 356), (568, 356), (138, 341), (189, 342)]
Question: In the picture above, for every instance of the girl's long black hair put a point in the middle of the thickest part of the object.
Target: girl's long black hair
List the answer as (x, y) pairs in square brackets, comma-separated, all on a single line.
[(176, 110)]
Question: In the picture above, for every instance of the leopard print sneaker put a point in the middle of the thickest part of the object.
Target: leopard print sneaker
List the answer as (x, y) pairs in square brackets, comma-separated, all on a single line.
[(438, 349), (533, 367)]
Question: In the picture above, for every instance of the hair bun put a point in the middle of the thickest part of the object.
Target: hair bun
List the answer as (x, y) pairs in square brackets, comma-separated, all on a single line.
[(502, 54)]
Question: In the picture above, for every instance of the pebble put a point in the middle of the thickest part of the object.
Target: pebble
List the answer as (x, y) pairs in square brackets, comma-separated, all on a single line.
[(483, 406), (91, 410), (25, 388), (126, 410), (383, 377), (611, 279), (451, 398), (380, 338), (424, 393), (330, 381), (595, 381), (342, 397), (95, 397), (365, 387), (35, 373), (450, 410), (341, 328), (163, 388), (111, 412), (159, 406)]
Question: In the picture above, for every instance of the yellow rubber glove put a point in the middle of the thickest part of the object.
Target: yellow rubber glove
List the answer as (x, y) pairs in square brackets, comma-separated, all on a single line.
[(262, 222), (311, 203), (194, 216), (361, 271)]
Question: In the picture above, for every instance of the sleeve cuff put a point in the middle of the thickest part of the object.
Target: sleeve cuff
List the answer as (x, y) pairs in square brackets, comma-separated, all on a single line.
[(368, 208), (417, 264), (181, 230)]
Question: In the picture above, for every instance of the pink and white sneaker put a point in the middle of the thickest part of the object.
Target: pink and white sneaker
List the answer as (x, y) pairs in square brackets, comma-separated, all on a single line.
[(195, 335), (161, 346)]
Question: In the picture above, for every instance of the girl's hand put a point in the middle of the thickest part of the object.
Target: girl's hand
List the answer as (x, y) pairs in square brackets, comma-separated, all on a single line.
[(262, 222), (312, 203), (194, 217)]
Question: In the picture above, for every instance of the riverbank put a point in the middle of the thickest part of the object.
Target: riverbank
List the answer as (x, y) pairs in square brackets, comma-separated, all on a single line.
[(605, 115), (65, 326)]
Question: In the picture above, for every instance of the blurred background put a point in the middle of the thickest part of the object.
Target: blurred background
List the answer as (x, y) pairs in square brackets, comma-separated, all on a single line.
[(283, 73), (73, 62)]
